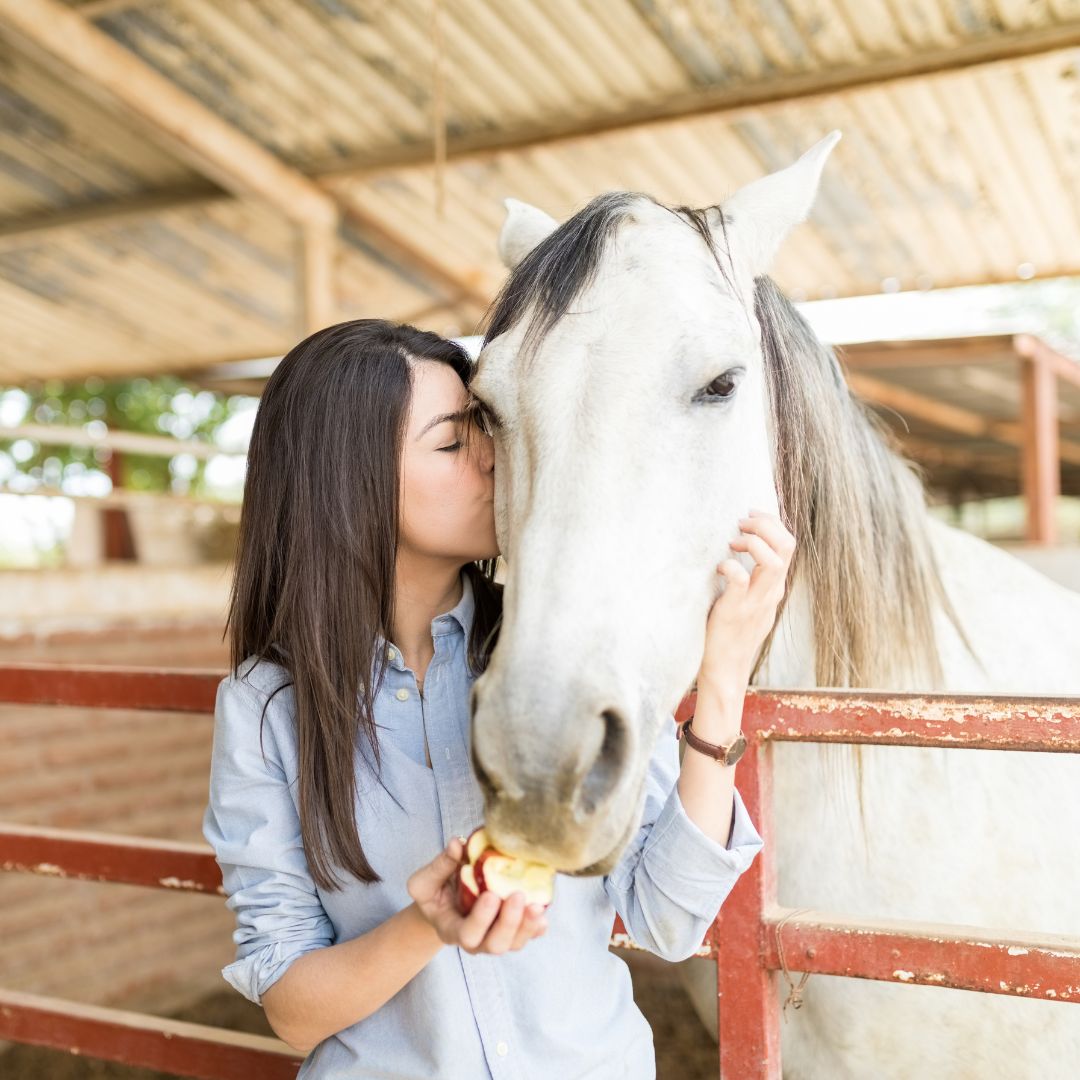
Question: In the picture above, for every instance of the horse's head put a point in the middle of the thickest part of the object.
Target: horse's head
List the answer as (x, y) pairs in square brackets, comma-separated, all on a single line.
[(623, 378)]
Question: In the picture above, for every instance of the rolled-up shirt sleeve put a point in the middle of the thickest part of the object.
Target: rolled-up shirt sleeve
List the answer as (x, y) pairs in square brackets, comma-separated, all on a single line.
[(252, 824), (672, 879)]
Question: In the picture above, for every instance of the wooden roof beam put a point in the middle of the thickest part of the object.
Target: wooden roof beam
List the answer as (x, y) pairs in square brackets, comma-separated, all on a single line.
[(1033, 348), (53, 223), (71, 46), (731, 100), (927, 352), (949, 417)]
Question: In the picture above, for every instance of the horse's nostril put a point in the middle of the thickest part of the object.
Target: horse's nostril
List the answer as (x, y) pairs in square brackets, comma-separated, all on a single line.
[(606, 771)]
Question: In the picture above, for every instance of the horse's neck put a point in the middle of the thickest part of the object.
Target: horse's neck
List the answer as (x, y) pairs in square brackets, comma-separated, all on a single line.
[(1022, 630), (791, 659)]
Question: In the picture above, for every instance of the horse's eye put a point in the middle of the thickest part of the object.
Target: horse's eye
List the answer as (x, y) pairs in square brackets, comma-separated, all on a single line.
[(722, 387)]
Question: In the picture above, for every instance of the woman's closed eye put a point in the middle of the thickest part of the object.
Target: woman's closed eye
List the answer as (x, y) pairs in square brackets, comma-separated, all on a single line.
[(453, 446)]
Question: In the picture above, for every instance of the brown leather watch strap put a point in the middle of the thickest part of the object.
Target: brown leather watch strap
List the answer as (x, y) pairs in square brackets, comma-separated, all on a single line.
[(726, 755)]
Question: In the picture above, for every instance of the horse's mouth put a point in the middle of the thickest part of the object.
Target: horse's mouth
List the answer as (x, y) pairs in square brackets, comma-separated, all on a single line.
[(609, 861)]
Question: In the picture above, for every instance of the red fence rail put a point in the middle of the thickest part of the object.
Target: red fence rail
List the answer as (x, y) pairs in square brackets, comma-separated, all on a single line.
[(746, 939), (748, 934)]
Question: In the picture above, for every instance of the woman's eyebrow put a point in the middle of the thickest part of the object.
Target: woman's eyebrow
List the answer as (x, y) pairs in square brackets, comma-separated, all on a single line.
[(440, 419)]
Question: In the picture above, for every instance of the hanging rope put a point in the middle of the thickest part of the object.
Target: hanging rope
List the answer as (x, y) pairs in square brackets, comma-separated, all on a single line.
[(794, 998)]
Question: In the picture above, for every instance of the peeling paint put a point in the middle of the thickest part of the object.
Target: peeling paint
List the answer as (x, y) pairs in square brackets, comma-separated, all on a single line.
[(904, 976), (180, 883)]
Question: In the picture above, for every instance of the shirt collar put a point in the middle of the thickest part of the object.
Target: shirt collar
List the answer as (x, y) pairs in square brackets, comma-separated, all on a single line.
[(460, 614)]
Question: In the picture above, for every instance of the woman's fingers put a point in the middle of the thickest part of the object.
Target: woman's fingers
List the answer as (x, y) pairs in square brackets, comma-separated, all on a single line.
[(533, 924), (475, 925), (503, 931), (766, 557), (770, 528)]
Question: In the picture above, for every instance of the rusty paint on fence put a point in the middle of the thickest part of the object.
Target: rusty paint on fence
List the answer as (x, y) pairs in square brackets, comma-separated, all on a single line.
[(1015, 962), (969, 721), (102, 857)]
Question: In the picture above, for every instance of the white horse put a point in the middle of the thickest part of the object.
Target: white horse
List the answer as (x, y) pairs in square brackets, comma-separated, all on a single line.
[(647, 384)]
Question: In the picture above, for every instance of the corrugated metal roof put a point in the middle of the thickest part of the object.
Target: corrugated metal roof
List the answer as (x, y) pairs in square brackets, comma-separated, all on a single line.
[(960, 161)]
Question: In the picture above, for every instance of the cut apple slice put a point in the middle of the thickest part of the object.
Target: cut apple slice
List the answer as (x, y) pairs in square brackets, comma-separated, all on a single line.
[(467, 890), (487, 868), (504, 875), (476, 844)]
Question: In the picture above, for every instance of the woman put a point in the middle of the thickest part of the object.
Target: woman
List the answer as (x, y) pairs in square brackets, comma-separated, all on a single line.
[(363, 607)]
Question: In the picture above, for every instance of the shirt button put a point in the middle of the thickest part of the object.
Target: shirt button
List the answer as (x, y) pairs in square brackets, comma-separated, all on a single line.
[(502, 1049), (392, 653), (403, 694)]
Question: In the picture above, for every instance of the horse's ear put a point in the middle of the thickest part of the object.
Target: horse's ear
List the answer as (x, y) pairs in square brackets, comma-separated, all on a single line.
[(761, 214), (525, 226)]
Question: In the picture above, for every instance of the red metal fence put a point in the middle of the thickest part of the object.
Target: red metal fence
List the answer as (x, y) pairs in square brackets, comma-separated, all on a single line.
[(747, 938), (753, 929)]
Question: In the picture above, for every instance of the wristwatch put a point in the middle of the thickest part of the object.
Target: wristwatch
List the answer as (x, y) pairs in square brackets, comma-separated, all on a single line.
[(725, 755)]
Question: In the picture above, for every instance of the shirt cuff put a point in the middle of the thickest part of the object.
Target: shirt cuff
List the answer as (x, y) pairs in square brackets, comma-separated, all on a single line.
[(254, 974), (693, 869)]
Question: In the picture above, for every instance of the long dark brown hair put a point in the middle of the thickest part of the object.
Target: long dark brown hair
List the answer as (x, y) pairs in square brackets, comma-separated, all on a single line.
[(313, 583)]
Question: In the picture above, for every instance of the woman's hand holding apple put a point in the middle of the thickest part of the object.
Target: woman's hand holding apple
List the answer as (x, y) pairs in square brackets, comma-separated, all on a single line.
[(492, 924)]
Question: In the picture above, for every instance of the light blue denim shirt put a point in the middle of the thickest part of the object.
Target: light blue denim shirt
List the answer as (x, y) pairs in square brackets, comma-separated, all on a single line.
[(563, 1005)]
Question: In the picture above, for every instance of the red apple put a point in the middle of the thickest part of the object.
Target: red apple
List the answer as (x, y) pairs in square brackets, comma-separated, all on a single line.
[(467, 890), (488, 868)]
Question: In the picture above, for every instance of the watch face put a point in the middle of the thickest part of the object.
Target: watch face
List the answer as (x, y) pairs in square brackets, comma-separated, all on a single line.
[(738, 748)]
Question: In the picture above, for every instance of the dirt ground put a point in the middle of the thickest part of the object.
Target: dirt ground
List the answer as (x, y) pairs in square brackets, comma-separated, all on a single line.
[(684, 1050)]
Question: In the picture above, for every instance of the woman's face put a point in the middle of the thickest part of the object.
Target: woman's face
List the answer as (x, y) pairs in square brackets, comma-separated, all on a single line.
[(447, 493)]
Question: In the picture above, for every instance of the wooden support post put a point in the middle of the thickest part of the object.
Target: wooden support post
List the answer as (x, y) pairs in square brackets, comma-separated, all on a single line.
[(1040, 450), (316, 300), (118, 541)]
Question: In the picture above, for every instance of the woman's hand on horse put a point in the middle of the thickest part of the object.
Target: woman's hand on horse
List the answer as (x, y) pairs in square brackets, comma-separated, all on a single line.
[(492, 926), (742, 616)]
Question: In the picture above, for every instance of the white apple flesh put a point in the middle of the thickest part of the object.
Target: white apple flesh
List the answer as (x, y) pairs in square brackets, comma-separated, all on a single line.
[(488, 869)]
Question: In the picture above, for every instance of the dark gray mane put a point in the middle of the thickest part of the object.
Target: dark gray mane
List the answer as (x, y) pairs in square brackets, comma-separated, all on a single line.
[(563, 264)]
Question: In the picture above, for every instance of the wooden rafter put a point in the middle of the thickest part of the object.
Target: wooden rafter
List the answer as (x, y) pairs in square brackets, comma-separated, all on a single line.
[(1033, 348), (728, 100), (732, 100), (943, 415), (54, 223), (68, 44), (72, 47), (930, 352)]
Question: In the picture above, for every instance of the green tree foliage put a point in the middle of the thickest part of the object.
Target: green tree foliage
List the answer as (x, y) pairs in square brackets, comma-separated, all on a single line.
[(164, 405)]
